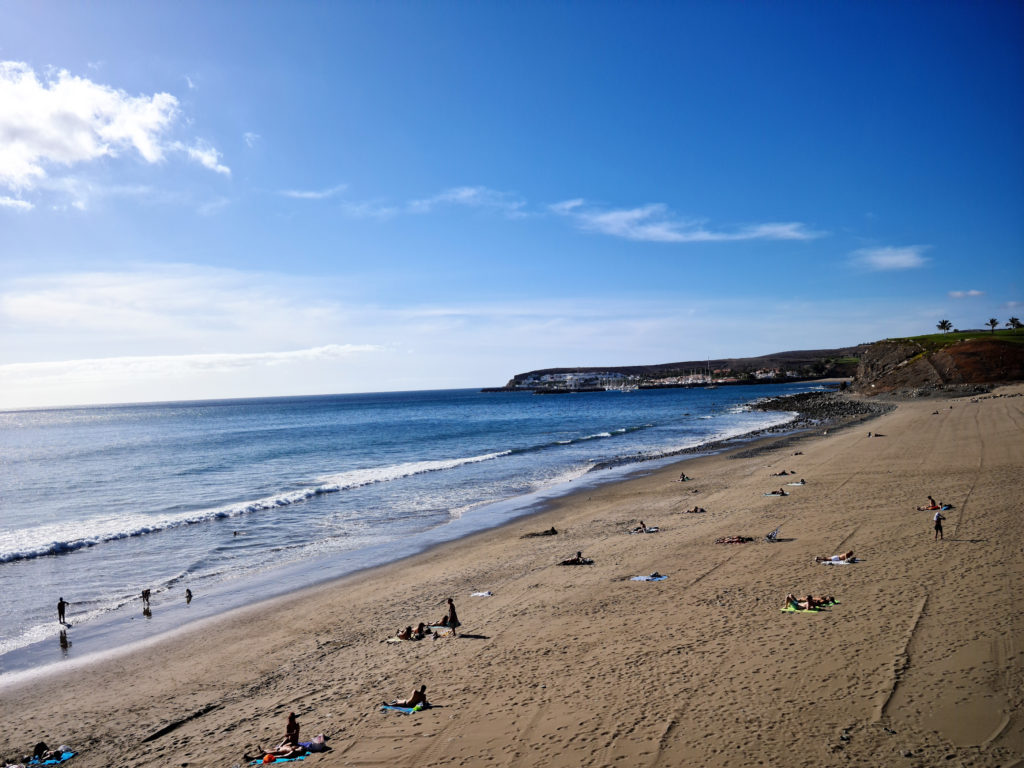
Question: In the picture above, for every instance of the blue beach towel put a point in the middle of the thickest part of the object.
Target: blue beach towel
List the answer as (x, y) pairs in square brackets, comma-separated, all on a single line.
[(63, 757), (403, 710), (648, 578)]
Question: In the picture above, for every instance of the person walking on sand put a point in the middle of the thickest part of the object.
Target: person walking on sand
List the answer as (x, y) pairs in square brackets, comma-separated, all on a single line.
[(62, 604), (453, 618), (939, 517)]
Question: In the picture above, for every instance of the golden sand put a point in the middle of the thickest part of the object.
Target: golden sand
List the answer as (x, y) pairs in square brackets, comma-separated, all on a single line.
[(920, 663)]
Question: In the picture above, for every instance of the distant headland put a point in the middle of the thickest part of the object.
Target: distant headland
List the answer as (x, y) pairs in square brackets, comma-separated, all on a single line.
[(913, 365)]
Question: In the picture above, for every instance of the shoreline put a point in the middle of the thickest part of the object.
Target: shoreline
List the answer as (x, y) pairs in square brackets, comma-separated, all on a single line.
[(25, 663), (710, 640)]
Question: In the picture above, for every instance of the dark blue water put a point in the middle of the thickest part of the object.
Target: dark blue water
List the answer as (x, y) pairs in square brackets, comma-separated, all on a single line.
[(242, 498)]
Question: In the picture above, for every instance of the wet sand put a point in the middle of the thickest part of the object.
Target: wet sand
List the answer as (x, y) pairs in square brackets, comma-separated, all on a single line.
[(920, 664)]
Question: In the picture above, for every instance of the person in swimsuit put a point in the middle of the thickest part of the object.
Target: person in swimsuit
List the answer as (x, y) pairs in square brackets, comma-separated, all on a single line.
[(416, 698), (939, 517)]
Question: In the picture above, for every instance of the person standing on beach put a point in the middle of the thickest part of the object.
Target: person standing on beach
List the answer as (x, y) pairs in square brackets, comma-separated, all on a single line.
[(188, 596), (939, 517), (62, 604), (453, 618)]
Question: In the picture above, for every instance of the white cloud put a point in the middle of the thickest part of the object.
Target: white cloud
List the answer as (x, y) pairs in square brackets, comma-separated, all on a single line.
[(64, 120), (251, 139), (154, 366), (656, 223), (966, 294), (189, 332), (889, 258), (314, 194), (11, 202), (204, 154), (191, 84), (475, 197)]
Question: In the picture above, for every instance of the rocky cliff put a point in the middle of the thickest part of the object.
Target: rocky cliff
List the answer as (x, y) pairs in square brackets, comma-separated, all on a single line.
[(905, 365)]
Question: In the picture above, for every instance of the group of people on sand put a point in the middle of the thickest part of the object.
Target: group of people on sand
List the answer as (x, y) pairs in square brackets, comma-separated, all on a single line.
[(290, 746), (450, 621)]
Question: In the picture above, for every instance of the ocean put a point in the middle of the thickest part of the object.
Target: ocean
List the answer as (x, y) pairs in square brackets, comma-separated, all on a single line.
[(240, 500)]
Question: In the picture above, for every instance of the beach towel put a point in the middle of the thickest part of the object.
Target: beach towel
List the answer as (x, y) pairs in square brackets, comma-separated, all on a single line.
[(404, 710), (440, 630), (64, 756), (840, 562), (796, 483), (946, 507), (280, 760), (488, 593), (651, 529), (648, 578), (791, 609), (777, 494), (584, 561)]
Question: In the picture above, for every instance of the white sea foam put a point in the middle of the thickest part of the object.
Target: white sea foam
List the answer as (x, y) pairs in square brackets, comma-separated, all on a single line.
[(56, 539)]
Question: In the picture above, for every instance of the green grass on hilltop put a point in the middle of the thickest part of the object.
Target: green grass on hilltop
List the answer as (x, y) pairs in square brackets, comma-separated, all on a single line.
[(933, 341)]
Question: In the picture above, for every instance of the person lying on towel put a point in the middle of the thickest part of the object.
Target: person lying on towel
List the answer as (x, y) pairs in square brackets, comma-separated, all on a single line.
[(809, 603), (578, 560), (846, 557)]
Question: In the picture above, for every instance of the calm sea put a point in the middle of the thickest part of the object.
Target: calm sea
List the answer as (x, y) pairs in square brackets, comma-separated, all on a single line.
[(239, 500)]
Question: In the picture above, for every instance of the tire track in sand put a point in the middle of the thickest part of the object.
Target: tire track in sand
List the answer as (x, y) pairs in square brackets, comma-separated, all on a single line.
[(902, 660)]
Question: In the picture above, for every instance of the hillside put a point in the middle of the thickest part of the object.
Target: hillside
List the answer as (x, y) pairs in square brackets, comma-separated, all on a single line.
[(940, 361), (790, 366), (912, 364)]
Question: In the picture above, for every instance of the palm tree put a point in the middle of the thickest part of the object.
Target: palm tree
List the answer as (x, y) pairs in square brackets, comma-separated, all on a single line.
[(944, 326), (1014, 323), (992, 324)]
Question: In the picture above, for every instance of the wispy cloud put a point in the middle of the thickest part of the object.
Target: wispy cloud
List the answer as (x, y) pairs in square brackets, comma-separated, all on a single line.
[(474, 197), (152, 366), (890, 258), (190, 83), (64, 120), (370, 209), (251, 139), (314, 194), (12, 202), (966, 294), (214, 206), (656, 223), (203, 153)]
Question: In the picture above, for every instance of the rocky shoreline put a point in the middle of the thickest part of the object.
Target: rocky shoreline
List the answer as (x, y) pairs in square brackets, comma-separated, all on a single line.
[(830, 410)]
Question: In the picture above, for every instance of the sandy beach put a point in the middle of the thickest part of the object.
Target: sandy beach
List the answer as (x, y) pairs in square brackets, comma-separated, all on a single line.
[(921, 662)]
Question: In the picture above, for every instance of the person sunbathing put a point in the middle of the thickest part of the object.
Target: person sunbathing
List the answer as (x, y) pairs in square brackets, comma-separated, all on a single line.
[(642, 528), (809, 603), (780, 492), (932, 504), (845, 557), (733, 540), (578, 560), (284, 751), (416, 698), (422, 630), (683, 478), (783, 473), (695, 511), (405, 634)]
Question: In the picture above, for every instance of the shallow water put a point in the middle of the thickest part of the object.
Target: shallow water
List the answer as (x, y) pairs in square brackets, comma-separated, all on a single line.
[(242, 499)]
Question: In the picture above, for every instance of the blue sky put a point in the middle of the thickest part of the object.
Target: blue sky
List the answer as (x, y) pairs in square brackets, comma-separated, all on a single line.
[(242, 199)]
